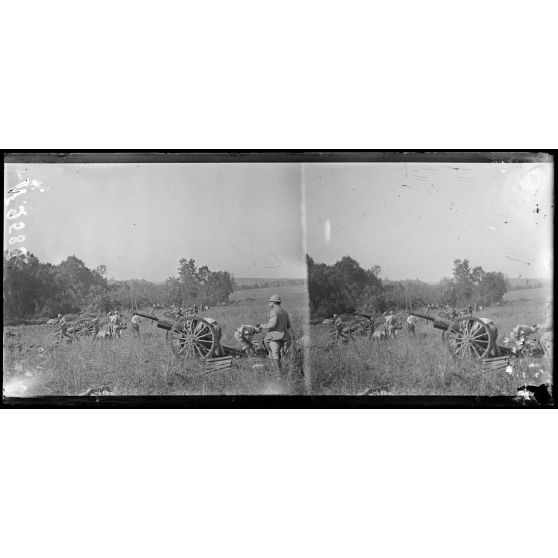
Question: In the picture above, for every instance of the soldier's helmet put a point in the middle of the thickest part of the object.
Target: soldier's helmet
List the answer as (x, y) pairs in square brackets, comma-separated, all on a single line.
[(275, 298)]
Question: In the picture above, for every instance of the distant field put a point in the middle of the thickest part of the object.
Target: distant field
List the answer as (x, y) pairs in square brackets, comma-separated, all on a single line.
[(250, 281), (529, 294), (527, 282), (292, 295)]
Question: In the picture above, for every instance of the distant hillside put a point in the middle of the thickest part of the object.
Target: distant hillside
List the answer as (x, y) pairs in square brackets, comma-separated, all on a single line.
[(527, 283), (518, 283), (265, 282)]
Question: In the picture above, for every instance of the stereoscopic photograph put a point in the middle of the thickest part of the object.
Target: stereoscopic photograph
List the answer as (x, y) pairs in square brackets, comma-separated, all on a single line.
[(371, 275)]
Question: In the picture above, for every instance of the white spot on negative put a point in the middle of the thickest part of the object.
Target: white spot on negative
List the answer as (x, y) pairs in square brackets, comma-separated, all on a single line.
[(327, 231)]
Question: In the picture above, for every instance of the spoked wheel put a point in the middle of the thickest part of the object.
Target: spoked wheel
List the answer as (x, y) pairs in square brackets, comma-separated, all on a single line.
[(84, 328), (361, 327), (469, 337), (194, 338)]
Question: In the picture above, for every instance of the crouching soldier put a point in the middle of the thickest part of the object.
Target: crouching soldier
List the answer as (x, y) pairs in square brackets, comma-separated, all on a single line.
[(277, 327), (493, 349), (244, 335), (219, 352), (520, 334)]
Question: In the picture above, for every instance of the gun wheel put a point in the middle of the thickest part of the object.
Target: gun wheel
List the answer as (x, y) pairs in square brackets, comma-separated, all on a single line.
[(469, 337), (84, 328), (194, 338), (361, 326)]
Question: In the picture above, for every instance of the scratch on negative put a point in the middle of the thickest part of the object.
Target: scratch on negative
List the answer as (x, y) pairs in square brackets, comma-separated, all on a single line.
[(278, 261), (516, 260)]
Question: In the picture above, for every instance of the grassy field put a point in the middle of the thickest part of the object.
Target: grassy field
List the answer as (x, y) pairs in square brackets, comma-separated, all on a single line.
[(421, 365), (33, 365)]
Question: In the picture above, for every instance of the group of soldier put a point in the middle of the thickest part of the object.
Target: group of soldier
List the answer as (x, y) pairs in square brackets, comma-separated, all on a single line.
[(277, 341), (518, 337), (174, 311), (114, 328)]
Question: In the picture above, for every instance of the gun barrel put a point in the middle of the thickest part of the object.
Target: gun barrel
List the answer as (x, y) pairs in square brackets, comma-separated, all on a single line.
[(148, 316), (163, 324), (424, 316), (438, 324)]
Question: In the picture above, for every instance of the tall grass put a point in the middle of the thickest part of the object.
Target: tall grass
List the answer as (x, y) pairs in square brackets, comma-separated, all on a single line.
[(145, 365), (421, 365)]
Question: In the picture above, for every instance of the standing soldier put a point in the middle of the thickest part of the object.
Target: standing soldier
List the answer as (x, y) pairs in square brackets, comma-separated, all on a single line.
[(277, 327), (195, 308), (118, 324), (111, 323), (386, 319), (411, 321), (95, 327), (391, 324), (136, 320), (340, 335), (62, 322), (115, 324)]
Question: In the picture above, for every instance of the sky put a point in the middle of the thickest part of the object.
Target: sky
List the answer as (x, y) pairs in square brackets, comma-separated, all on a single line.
[(413, 220), (139, 219)]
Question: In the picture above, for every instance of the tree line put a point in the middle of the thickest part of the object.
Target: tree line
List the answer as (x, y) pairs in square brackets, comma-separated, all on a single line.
[(345, 287), (35, 289)]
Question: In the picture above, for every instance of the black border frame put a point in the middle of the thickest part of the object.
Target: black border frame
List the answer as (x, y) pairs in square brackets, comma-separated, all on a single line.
[(277, 156)]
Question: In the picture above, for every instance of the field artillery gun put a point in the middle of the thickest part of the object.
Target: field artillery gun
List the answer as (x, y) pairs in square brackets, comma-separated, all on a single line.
[(352, 326), (192, 336), (82, 328), (88, 327), (196, 337), (466, 336)]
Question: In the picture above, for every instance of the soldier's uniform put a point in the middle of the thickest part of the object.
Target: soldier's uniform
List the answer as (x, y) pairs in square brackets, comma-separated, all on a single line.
[(244, 335), (520, 333), (341, 331), (391, 324), (411, 321), (277, 327), (136, 320), (95, 327), (218, 334), (115, 325), (64, 327), (494, 334)]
